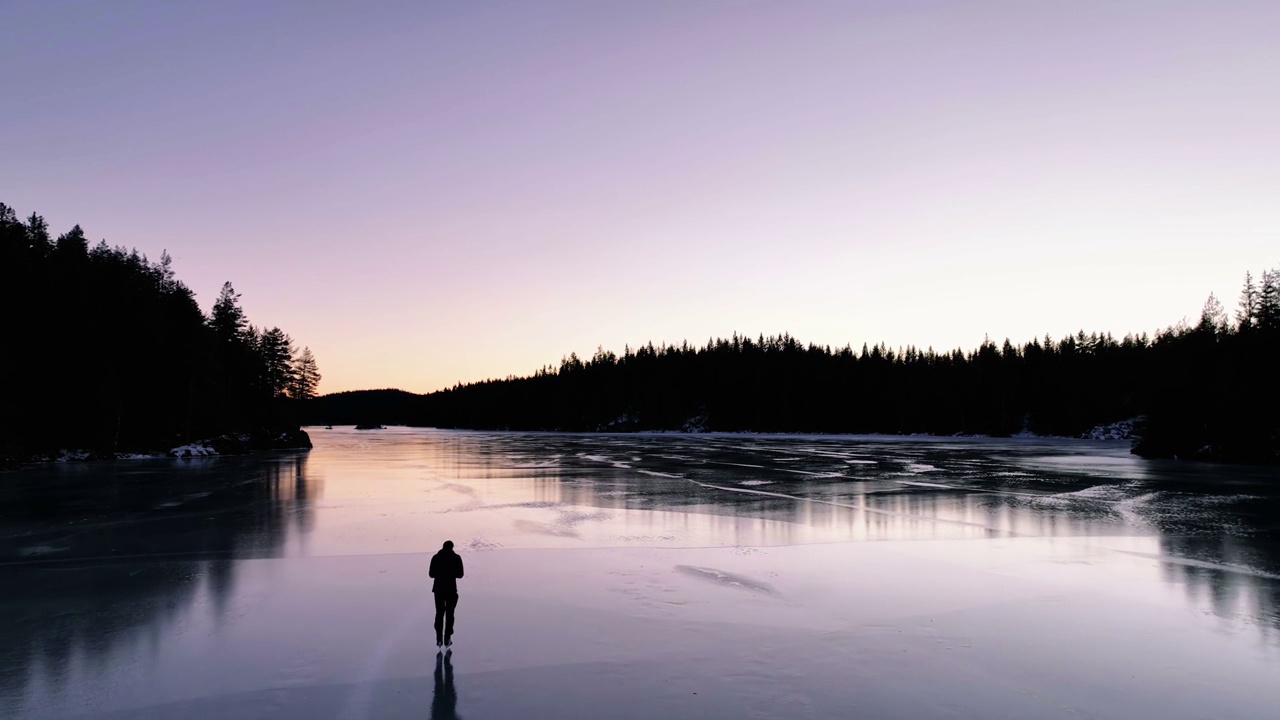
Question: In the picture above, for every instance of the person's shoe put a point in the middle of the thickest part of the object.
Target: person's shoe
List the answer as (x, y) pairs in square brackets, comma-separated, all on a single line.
[(439, 641), (448, 642)]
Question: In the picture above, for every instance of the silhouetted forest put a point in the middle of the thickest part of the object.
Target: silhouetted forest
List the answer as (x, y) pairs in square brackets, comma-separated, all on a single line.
[(102, 349), (1206, 391)]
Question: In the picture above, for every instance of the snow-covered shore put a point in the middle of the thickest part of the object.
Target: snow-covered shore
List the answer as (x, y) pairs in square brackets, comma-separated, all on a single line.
[(229, 444)]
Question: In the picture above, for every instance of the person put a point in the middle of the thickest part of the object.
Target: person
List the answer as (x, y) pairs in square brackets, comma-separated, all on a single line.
[(446, 569)]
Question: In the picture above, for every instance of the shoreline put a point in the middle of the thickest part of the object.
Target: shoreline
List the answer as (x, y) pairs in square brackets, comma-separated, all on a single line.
[(234, 443), (749, 433)]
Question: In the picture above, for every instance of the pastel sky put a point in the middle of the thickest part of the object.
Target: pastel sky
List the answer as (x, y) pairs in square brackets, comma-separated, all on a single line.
[(433, 192)]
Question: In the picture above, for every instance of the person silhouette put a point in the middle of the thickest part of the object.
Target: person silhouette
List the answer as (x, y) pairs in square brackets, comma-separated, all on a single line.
[(444, 699), (446, 569)]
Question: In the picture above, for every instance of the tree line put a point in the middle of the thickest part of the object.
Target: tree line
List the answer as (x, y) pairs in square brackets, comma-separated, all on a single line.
[(106, 350), (1206, 390)]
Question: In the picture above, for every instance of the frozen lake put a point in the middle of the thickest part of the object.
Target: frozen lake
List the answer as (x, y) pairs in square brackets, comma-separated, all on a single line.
[(642, 576)]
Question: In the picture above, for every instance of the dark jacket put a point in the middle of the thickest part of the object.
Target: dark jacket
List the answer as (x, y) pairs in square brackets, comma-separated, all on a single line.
[(446, 568)]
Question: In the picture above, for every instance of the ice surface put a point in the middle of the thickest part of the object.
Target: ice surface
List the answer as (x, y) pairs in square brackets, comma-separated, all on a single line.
[(641, 576)]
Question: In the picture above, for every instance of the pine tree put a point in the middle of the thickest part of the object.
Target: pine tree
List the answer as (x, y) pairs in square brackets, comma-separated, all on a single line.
[(168, 279), (38, 236), (275, 348), (1269, 302), (228, 319), (1213, 318), (306, 376), (73, 243), (1247, 314)]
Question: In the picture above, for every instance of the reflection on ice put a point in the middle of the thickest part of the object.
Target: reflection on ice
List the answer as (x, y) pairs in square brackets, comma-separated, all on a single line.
[(444, 698), (128, 549), (233, 586)]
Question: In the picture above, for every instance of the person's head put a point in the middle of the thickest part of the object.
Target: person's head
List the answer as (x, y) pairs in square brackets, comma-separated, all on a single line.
[(448, 544)]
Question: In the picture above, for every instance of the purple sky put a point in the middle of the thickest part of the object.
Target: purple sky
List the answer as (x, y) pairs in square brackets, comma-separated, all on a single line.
[(433, 192)]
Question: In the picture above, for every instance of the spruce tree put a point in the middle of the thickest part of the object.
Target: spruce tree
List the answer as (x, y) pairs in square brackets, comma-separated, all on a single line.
[(306, 376), (275, 348), (1269, 302), (1247, 314), (1213, 318), (227, 318), (73, 243), (38, 236)]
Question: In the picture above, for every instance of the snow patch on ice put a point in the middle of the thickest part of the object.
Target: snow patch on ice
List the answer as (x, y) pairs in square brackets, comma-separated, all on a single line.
[(37, 550), (533, 504), (1093, 493), (604, 460), (1225, 499), (565, 524), (916, 483), (539, 464), (1132, 509), (482, 545), (726, 578), (695, 424), (626, 422), (756, 482), (812, 474), (1119, 430), (192, 450)]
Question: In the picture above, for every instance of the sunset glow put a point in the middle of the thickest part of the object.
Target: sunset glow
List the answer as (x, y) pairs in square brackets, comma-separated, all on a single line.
[(428, 193)]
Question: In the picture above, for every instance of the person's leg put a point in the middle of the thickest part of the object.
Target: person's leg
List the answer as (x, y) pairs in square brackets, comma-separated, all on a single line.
[(451, 602), (442, 606)]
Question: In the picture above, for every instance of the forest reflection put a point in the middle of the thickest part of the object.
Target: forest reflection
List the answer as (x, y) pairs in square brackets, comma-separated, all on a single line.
[(97, 557), (1212, 536), (1237, 580)]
